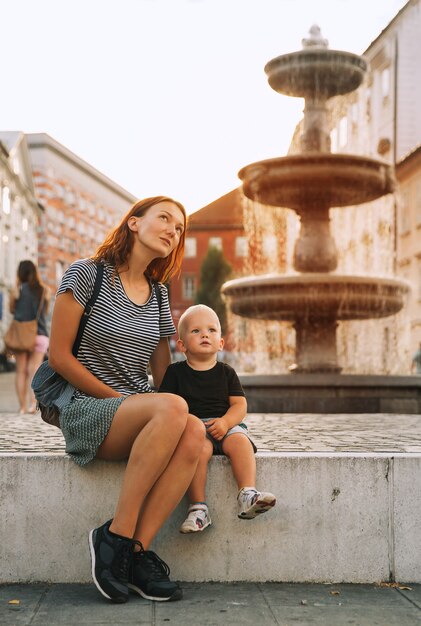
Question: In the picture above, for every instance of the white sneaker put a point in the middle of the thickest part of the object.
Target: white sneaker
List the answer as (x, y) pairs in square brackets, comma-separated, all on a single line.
[(252, 502), (197, 519)]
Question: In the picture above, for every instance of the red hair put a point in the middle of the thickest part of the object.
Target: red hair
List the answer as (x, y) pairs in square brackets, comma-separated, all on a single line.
[(117, 246)]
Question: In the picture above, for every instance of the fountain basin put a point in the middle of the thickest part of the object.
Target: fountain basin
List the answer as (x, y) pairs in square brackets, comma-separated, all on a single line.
[(303, 181), (315, 296), (320, 73)]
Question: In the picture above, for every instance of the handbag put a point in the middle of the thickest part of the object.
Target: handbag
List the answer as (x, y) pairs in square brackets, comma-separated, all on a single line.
[(21, 336), (51, 390)]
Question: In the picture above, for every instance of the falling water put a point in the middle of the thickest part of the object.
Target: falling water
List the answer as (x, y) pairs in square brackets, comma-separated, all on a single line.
[(365, 239)]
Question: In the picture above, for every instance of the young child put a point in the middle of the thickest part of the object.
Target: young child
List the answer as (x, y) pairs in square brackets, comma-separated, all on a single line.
[(213, 393)]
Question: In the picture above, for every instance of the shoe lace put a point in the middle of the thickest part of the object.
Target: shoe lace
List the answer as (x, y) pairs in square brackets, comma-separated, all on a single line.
[(158, 568), (124, 554), (250, 496)]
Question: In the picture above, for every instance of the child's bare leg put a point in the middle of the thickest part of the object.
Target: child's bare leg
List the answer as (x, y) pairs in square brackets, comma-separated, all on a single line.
[(238, 449), (198, 517), (250, 502), (197, 489)]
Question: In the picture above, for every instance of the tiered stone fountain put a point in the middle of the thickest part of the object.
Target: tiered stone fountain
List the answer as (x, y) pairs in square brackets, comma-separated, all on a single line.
[(310, 183)]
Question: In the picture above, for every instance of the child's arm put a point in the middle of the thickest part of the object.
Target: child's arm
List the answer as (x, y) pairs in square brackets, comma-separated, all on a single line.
[(219, 427)]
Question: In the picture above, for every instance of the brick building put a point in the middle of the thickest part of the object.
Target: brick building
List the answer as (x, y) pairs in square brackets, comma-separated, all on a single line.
[(20, 214), (80, 205), (219, 224)]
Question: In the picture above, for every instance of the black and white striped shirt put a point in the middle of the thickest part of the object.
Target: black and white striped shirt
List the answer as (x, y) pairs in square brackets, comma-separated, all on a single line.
[(120, 336)]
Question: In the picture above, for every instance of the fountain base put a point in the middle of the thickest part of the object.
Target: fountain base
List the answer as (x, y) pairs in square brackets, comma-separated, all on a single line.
[(332, 393)]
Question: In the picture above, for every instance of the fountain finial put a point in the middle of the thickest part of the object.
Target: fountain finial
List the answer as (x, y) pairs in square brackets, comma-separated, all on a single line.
[(315, 40)]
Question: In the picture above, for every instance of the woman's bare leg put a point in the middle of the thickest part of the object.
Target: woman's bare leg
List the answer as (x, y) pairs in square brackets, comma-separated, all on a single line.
[(238, 449), (34, 361), (21, 380), (173, 482), (147, 428)]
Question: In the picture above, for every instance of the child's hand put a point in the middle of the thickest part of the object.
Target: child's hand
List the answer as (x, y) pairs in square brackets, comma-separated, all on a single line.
[(217, 428)]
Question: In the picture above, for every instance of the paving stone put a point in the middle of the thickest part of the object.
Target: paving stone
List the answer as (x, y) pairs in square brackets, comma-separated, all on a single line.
[(271, 432)]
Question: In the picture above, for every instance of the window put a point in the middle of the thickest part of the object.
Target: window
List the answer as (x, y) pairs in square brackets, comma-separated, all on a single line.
[(190, 250), (241, 246), (70, 197), (189, 287), (6, 200), (385, 82), (25, 224), (59, 271), (215, 242)]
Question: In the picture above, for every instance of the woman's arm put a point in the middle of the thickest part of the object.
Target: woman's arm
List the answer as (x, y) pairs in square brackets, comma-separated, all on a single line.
[(219, 426), (67, 313), (13, 296), (159, 361)]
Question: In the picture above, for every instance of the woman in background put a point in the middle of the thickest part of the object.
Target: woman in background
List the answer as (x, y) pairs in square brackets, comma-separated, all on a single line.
[(28, 301)]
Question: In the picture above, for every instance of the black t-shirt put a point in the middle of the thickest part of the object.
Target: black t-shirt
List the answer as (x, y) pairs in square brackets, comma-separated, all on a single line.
[(206, 392)]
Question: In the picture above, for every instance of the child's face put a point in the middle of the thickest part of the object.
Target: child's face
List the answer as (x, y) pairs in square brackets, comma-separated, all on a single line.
[(201, 334)]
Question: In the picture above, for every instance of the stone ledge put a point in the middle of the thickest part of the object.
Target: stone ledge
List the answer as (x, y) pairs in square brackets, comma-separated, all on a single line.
[(340, 518)]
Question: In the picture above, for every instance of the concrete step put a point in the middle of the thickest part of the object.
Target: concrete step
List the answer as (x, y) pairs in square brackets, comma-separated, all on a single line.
[(340, 517)]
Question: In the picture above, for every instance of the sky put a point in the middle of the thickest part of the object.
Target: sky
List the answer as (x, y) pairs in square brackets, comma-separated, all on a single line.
[(166, 96)]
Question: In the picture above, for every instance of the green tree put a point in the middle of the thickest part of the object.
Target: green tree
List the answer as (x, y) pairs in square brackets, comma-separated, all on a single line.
[(214, 271)]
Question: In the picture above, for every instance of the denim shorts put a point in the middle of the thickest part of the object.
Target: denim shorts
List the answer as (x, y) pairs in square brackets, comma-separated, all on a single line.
[(217, 445)]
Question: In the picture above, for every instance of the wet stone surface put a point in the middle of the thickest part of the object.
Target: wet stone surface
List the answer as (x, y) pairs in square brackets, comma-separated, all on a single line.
[(272, 432)]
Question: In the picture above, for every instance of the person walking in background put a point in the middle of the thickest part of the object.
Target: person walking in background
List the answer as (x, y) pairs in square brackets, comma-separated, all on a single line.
[(113, 414), (214, 393), (416, 361), (29, 301)]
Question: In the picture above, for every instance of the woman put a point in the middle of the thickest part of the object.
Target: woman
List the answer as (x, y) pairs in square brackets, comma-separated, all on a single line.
[(29, 301), (113, 415)]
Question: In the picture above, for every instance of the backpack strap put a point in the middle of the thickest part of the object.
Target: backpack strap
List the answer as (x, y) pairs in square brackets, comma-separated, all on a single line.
[(89, 307), (158, 294)]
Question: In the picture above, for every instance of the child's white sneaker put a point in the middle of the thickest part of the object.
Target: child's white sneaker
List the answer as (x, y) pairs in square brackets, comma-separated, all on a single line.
[(252, 502), (197, 519)]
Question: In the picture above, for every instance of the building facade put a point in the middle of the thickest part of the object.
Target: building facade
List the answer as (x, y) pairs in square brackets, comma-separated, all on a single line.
[(382, 119), (408, 172), (80, 206), (20, 216)]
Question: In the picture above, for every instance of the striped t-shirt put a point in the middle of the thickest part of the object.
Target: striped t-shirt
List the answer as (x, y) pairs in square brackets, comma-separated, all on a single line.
[(120, 336)]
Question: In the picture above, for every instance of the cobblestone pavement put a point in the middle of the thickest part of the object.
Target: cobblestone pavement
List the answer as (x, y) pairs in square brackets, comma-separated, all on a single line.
[(271, 433)]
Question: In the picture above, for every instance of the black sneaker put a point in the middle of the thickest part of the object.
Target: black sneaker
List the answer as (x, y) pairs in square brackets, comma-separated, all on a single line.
[(149, 577), (111, 556)]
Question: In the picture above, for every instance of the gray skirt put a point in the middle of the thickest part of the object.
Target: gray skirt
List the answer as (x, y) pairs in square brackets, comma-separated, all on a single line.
[(85, 424)]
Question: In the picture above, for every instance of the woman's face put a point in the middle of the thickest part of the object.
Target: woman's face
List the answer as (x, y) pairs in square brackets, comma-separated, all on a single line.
[(159, 230)]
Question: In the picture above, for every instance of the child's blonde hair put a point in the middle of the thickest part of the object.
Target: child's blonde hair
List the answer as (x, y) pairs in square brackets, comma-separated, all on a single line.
[(194, 309)]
